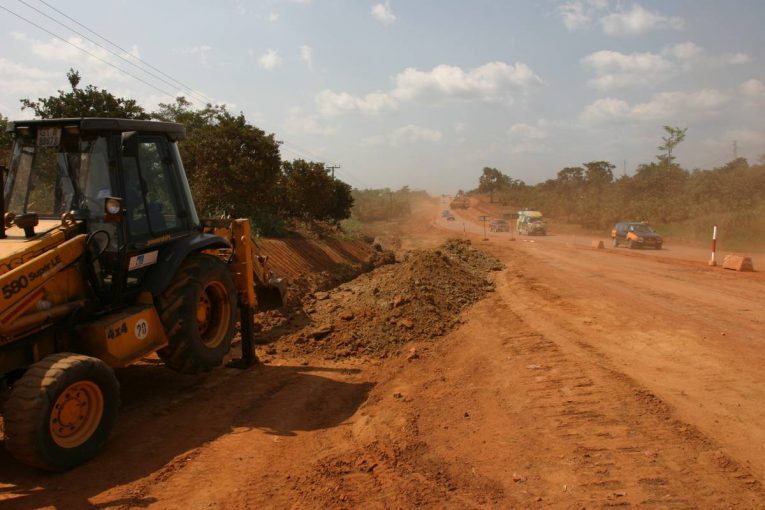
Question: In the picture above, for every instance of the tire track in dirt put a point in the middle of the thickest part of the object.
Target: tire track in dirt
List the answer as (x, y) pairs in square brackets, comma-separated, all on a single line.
[(502, 415), (700, 353), (625, 445)]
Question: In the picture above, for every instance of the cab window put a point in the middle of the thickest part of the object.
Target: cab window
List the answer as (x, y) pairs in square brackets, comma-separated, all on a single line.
[(151, 189)]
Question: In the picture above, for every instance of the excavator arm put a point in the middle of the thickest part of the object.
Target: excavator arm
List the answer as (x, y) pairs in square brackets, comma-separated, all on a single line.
[(259, 289)]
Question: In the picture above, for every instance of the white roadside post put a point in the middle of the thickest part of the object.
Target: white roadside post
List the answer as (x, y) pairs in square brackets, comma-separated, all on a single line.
[(713, 261)]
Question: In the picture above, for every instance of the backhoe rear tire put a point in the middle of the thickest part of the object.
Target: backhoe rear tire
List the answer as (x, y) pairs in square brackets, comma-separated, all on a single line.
[(60, 412), (198, 311)]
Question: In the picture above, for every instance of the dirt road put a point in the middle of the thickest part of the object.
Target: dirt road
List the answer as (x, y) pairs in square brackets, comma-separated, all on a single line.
[(588, 378)]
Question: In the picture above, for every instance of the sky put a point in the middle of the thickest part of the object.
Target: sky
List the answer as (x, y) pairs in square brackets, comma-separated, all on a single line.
[(423, 93)]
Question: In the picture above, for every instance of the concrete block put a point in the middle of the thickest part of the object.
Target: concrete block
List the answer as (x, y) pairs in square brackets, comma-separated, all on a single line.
[(598, 244), (738, 263)]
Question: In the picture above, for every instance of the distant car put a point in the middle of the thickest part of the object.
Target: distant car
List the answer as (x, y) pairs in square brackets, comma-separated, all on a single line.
[(636, 235), (499, 226), (445, 213), (531, 223), (450, 217)]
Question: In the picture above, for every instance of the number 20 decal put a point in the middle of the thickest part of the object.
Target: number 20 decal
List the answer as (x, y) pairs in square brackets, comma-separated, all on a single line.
[(141, 329)]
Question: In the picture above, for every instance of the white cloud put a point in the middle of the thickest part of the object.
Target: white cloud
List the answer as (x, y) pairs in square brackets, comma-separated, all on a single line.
[(750, 143), (383, 13), (332, 103), (405, 135), (753, 89), (528, 138), (20, 80), (489, 82), (269, 60), (614, 69), (617, 70), (578, 14), (495, 81), (297, 122), (684, 51), (202, 54), (689, 54), (638, 20), (665, 105), (670, 104), (528, 147), (306, 55), (603, 110), (746, 137), (273, 16), (738, 58), (528, 131), (91, 64)]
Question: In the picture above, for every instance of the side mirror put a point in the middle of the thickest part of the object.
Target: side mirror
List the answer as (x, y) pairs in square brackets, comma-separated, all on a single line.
[(113, 209), (130, 144)]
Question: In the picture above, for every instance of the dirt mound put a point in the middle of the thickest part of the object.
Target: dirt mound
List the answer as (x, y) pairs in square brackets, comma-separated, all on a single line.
[(420, 297)]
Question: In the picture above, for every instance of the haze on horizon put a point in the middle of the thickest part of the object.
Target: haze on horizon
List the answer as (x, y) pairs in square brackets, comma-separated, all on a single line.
[(427, 93)]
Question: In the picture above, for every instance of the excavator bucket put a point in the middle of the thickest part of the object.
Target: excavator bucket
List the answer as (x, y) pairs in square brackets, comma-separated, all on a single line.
[(273, 295)]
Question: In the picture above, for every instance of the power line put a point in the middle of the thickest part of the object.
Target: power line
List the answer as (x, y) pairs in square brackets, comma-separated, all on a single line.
[(88, 52), (199, 95), (183, 85), (166, 82), (313, 154), (358, 183)]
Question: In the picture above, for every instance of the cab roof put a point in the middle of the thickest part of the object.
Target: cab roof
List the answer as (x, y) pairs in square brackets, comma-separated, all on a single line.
[(172, 130)]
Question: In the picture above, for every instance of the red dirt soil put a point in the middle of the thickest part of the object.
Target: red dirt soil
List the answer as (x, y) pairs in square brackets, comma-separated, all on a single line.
[(588, 379)]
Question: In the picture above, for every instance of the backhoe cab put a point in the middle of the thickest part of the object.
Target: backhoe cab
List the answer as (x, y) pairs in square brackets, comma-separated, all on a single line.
[(103, 260)]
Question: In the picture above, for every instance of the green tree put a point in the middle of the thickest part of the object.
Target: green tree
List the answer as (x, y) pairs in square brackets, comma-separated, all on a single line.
[(598, 173), (183, 112), (232, 166), (492, 180), (675, 135), (312, 194), (342, 201), (87, 102)]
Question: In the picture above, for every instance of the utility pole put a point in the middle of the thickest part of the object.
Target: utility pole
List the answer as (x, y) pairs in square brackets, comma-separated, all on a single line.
[(624, 169), (332, 169), (735, 149)]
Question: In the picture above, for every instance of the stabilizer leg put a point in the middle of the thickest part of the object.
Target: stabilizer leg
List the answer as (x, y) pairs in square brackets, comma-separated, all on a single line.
[(249, 356)]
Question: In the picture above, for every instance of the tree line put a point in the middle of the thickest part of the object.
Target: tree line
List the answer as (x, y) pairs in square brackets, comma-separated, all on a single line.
[(385, 204), (674, 199), (233, 167)]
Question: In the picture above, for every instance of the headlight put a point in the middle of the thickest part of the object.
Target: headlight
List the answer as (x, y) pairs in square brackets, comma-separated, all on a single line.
[(113, 205)]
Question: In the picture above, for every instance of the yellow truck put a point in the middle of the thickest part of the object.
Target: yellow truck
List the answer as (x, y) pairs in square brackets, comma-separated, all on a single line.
[(104, 260)]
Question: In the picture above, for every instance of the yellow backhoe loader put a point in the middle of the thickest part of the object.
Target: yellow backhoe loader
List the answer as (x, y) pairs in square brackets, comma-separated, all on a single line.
[(103, 260)]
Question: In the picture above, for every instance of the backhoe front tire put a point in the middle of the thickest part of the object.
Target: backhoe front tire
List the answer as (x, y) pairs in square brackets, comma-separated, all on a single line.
[(60, 412), (198, 311)]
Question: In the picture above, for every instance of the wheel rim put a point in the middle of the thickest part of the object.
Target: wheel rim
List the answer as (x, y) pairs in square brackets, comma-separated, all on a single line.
[(213, 314), (76, 414)]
